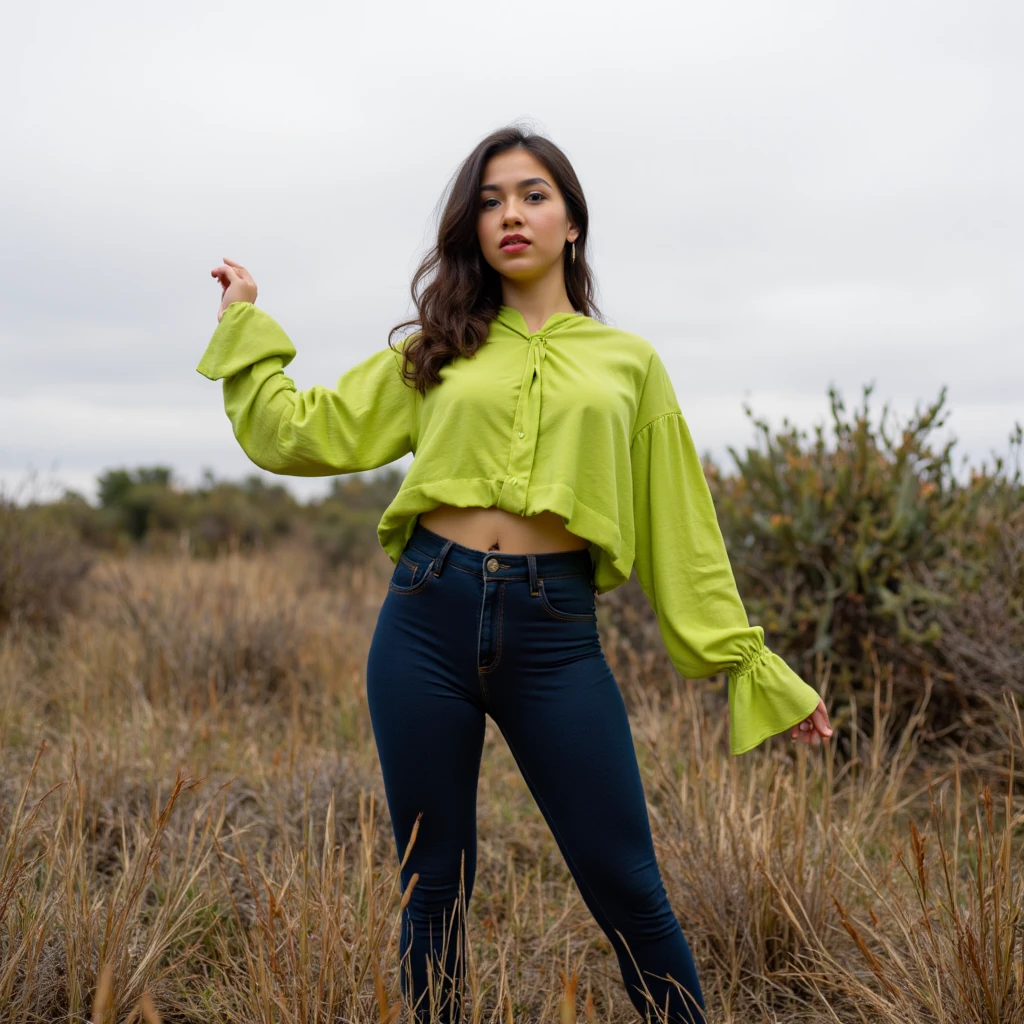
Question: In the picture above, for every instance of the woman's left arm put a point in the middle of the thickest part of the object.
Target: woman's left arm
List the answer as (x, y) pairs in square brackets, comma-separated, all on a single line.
[(683, 567)]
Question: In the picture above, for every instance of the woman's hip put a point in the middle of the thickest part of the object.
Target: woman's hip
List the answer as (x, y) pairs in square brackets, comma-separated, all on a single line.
[(486, 611)]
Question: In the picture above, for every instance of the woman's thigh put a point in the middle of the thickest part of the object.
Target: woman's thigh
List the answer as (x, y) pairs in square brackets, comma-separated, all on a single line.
[(428, 722), (559, 707)]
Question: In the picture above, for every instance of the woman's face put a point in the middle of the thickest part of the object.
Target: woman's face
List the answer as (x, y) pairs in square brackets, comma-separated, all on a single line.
[(518, 196)]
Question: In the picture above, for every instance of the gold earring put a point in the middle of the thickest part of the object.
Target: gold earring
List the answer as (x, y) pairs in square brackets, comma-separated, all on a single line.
[(574, 252)]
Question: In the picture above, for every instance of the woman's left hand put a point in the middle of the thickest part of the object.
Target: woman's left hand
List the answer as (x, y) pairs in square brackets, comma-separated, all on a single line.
[(814, 729)]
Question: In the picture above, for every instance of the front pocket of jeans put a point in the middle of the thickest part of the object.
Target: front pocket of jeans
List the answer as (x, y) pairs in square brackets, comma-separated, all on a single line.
[(569, 598), (411, 574)]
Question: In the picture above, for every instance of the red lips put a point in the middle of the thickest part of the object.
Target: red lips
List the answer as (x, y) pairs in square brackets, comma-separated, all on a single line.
[(513, 238)]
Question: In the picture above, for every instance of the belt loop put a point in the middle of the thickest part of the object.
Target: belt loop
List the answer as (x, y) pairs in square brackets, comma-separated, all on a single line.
[(439, 561), (532, 561)]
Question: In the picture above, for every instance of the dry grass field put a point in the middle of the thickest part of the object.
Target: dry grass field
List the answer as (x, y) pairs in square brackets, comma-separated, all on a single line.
[(193, 828)]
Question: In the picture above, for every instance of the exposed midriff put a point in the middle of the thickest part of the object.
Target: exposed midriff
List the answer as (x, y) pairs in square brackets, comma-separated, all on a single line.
[(488, 529)]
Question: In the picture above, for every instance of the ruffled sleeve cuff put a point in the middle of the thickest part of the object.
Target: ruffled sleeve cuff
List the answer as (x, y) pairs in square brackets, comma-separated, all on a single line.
[(766, 697), (245, 335)]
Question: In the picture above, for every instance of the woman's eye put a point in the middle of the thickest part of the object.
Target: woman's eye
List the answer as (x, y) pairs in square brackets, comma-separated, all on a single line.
[(486, 201)]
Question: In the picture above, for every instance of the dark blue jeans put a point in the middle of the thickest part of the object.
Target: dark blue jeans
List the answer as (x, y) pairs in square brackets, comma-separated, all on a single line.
[(464, 633)]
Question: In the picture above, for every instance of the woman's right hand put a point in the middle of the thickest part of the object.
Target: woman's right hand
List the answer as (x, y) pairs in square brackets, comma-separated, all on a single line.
[(237, 283)]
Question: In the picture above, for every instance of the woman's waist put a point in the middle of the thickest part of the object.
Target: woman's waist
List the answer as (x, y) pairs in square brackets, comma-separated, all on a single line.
[(495, 562), (492, 528)]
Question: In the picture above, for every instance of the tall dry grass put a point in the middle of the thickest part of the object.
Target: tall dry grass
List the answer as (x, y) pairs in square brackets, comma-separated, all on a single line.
[(194, 829)]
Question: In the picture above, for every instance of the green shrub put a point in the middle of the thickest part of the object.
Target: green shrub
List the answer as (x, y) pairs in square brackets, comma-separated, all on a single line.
[(141, 500), (344, 525), (42, 566), (223, 515), (845, 550)]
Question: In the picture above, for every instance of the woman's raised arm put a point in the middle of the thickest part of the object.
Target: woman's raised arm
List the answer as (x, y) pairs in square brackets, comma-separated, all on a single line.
[(367, 420)]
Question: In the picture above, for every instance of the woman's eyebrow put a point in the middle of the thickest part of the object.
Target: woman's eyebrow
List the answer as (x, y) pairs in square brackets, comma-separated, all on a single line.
[(521, 184)]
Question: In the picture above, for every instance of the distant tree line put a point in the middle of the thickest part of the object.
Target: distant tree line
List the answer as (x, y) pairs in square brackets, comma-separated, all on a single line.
[(144, 508)]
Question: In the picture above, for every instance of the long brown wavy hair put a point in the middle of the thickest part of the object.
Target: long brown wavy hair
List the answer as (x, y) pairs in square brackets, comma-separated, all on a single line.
[(464, 291)]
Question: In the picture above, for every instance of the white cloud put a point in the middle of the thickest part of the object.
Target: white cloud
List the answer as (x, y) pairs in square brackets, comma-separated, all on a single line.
[(782, 196)]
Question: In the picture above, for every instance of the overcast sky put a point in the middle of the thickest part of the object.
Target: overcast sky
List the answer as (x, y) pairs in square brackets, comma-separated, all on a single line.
[(782, 196)]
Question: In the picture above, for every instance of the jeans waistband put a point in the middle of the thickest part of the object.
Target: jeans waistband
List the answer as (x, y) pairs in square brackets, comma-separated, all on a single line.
[(500, 564)]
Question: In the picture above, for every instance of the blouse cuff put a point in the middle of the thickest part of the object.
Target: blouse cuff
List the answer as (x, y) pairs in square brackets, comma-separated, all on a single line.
[(766, 697), (245, 335)]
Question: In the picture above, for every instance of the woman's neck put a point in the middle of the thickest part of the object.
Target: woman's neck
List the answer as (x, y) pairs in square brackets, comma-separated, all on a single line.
[(538, 302)]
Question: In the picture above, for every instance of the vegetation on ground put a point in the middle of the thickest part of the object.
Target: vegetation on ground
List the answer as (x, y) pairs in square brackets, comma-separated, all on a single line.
[(193, 825)]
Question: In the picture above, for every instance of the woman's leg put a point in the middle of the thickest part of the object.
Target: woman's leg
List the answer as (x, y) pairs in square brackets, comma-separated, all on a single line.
[(429, 728), (560, 709)]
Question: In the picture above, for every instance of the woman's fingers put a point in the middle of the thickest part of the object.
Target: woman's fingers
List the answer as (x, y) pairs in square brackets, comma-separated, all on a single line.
[(236, 283), (820, 717), (240, 270), (814, 728), (231, 268)]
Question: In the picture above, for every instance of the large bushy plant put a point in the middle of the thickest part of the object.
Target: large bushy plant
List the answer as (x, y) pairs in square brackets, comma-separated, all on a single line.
[(859, 543)]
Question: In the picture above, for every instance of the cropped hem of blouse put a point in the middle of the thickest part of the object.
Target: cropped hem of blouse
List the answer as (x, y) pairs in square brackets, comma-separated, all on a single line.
[(400, 518), (578, 418)]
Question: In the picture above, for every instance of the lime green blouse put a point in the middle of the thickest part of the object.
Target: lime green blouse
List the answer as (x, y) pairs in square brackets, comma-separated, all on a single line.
[(578, 418)]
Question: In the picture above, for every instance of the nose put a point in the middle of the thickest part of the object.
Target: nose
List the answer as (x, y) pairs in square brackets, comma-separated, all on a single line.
[(511, 215)]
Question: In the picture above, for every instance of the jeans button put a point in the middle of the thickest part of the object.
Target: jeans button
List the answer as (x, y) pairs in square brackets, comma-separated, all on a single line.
[(492, 565)]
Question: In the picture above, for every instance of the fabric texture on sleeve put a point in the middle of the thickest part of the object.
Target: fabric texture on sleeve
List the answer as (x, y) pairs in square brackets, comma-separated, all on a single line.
[(367, 420), (683, 567)]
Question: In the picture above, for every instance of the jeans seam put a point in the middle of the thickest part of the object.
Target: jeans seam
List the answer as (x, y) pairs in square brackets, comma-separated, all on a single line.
[(480, 673), (416, 587), (554, 612), (501, 632)]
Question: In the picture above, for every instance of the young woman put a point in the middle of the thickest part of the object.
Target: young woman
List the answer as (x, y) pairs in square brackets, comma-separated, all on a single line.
[(551, 458)]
